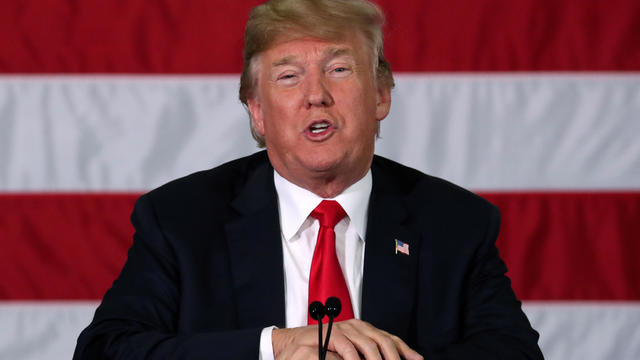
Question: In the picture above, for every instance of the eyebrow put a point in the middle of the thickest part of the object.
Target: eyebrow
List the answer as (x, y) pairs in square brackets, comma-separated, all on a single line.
[(337, 52), (284, 61)]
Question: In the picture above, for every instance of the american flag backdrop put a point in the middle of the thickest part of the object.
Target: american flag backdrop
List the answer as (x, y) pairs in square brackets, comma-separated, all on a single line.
[(534, 104)]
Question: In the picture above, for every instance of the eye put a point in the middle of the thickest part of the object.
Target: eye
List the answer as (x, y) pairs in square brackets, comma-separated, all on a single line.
[(339, 71), (287, 78)]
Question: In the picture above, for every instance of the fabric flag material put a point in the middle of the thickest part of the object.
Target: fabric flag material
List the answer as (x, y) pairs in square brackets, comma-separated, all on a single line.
[(533, 104)]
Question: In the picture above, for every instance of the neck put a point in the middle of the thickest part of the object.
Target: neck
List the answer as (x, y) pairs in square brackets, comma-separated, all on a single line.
[(326, 186), (327, 189)]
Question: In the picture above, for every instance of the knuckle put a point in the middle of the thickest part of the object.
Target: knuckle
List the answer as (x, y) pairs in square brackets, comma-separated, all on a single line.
[(387, 342), (302, 351), (369, 345), (347, 351), (395, 339), (341, 344)]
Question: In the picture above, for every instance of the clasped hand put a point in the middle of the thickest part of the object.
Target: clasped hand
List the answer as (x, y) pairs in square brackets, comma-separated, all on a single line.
[(350, 340)]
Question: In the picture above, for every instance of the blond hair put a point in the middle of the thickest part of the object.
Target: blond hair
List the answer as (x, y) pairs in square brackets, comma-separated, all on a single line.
[(329, 20)]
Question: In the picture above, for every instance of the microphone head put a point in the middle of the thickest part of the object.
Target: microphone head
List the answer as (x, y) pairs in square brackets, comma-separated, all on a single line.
[(316, 310), (332, 307)]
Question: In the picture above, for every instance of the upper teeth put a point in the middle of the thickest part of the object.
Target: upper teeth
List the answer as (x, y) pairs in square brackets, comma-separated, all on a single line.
[(320, 127)]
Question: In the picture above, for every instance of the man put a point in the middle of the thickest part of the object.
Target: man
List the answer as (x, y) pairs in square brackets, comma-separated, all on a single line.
[(225, 262)]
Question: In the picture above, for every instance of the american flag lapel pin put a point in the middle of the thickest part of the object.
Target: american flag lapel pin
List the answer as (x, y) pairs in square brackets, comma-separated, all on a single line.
[(402, 247)]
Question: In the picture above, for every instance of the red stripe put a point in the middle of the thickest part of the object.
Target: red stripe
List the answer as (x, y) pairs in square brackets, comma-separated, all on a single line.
[(205, 36), (62, 246), (571, 246), (558, 246)]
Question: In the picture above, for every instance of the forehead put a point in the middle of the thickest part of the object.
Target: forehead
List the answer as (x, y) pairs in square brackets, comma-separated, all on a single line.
[(300, 49)]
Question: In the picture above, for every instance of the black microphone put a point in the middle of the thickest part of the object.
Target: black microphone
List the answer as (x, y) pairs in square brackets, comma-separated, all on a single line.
[(332, 308), (316, 312)]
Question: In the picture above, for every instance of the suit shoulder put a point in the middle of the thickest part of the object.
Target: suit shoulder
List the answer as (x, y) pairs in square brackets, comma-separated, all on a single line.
[(421, 189), (220, 183)]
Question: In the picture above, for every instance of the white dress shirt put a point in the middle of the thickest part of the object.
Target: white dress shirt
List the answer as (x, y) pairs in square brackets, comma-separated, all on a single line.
[(299, 235)]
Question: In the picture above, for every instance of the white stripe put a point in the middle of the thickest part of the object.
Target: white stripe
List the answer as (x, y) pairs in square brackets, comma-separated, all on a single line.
[(120, 133), (42, 330), (509, 131), (569, 330), (525, 131), (587, 330)]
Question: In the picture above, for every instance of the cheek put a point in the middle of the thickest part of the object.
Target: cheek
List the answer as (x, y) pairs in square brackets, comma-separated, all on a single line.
[(363, 111), (279, 120), (355, 95)]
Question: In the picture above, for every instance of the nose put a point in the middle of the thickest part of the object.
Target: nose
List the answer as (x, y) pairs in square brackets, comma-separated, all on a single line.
[(317, 91)]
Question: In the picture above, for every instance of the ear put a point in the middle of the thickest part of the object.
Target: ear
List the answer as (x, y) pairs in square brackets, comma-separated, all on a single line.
[(255, 109), (383, 102)]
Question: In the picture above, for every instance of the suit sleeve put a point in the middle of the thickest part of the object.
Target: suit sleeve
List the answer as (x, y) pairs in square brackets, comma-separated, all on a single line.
[(138, 316), (495, 326)]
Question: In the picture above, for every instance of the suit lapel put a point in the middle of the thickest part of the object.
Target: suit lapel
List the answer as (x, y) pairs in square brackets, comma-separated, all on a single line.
[(389, 279), (256, 252)]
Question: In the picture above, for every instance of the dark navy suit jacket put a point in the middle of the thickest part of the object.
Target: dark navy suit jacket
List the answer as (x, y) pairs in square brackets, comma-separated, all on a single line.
[(205, 274)]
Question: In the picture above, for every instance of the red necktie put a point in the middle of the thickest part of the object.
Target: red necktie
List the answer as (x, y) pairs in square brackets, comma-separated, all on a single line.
[(326, 278)]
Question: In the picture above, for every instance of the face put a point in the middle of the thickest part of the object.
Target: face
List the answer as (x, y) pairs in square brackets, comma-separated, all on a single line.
[(317, 105)]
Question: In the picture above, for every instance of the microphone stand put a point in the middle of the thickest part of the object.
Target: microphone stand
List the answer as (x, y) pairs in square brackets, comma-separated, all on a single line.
[(332, 308), (316, 312)]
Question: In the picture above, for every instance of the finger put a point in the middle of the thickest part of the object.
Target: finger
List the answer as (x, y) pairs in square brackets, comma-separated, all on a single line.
[(362, 336), (342, 345), (390, 346), (332, 356), (386, 345), (367, 345)]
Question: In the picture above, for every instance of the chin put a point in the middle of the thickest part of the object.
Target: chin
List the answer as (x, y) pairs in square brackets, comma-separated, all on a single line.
[(321, 165)]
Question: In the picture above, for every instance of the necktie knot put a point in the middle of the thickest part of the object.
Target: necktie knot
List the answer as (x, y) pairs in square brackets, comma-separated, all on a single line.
[(328, 213)]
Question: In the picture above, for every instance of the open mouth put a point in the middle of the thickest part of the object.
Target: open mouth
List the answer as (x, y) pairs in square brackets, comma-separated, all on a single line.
[(319, 127)]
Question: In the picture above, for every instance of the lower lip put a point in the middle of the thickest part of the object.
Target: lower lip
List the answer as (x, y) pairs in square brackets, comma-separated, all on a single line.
[(321, 136)]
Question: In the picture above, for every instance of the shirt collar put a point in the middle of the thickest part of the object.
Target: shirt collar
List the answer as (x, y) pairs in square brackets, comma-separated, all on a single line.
[(296, 203)]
